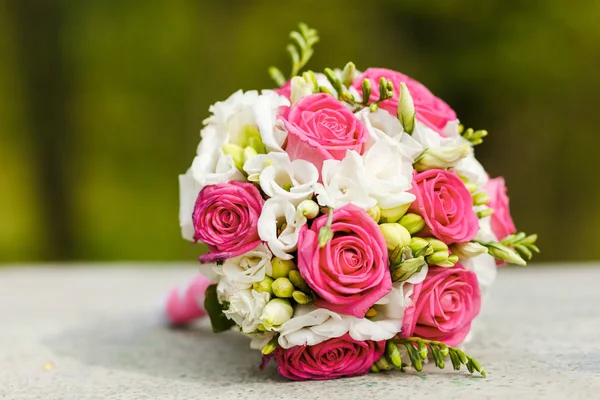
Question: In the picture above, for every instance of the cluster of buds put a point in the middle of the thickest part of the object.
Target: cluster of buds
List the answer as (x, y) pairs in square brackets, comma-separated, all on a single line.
[(285, 282), (249, 145), (418, 252)]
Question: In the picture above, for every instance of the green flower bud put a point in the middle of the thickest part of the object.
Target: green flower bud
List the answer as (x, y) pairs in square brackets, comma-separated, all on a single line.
[(486, 212), (393, 354), (393, 214), (406, 109), (281, 268), (395, 235), (270, 347), (297, 280), (468, 249), (412, 222), (276, 313), (374, 368), (374, 213), (236, 153), (282, 287), (452, 258), (471, 187), (504, 253), (417, 243), (264, 285), (383, 364), (250, 136), (308, 208), (438, 257), (301, 297), (442, 157), (437, 245), (408, 268), (481, 198)]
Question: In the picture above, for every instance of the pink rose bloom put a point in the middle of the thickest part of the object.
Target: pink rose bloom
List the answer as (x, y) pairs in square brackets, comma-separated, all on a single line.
[(502, 223), (320, 128), (443, 305), (446, 206), (225, 218), (431, 110), (285, 90), (351, 272), (333, 358)]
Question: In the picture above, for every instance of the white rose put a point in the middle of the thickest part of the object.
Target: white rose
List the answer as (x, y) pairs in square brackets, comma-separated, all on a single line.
[(344, 182), (246, 307), (278, 225), (281, 178)]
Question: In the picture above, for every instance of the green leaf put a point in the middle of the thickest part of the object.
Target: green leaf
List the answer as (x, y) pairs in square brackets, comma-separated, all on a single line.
[(218, 320)]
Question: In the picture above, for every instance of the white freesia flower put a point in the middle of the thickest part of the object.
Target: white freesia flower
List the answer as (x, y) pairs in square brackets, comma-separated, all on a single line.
[(271, 130), (471, 169), (281, 178), (389, 175), (260, 339), (188, 192), (485, 233), (344, 182), (384, 127), (248, 268), (278, 225), (300, 88), (246, 307)]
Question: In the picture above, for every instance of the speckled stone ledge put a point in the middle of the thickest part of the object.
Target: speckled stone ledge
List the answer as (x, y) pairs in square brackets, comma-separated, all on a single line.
[(92, 332)]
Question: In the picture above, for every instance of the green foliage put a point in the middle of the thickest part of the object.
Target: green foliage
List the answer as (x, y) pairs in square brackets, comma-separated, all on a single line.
[(418, 350), (218, 320), (300, 50), (474, 137), (523, 244)]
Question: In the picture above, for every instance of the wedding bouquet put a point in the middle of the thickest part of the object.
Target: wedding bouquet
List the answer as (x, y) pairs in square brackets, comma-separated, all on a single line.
[(349, 226)]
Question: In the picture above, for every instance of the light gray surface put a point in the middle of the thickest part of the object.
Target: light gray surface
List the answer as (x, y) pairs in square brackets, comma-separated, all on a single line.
[(93, 333)]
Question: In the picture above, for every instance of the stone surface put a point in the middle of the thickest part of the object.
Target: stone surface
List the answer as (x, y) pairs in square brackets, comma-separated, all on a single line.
[(94, 332)]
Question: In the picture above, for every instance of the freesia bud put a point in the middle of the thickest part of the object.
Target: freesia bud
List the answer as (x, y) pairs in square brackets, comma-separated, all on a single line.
[(408, 268), (297, 280), (308, 208), (300, 88), (349, 74), (452, 258), (282, 287), (504, 253), (417, 243), (374, 213), (270, 347), (481, 198), (249, 152), (276, 313), (438, 245), (393, 214), (393, 353), (236, 153), (486, 212), (468, 249), (437, 258), (281, 268), (412, 222), (263, 286), (395, 235), (442, 157), (383, 364), (406, 109), (300, 297)]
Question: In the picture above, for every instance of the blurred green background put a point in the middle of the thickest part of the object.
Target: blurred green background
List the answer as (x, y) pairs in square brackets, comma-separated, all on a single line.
[(101, 103)]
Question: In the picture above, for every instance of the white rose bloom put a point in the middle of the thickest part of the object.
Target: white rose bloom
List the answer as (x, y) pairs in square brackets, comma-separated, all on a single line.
[(188, 192), (281, 178), (344, 182), (389, 175), (278, 225), (246, 307), (248, 268)]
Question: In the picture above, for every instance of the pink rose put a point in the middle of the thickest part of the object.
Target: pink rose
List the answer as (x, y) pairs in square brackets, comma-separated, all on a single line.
[(431, 110), (333, 358), (502, 223), (443, 305), (225, 218), (446, 206), (351, 272), (321, 128)]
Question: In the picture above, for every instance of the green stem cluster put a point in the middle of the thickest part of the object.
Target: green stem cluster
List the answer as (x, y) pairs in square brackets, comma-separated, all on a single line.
[(475, 137), (418, 350), (523, 244)]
